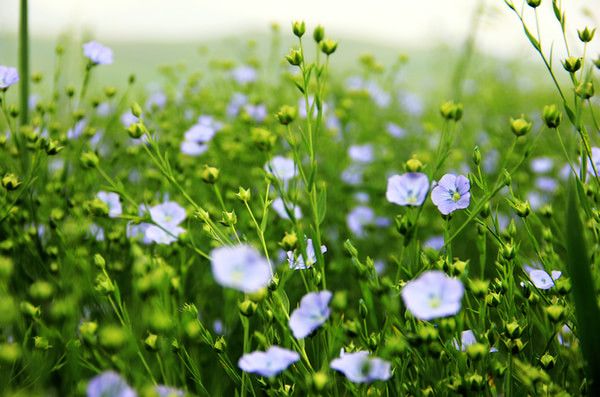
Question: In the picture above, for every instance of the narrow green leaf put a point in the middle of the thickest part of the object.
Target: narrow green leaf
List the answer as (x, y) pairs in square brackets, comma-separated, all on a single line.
[(583, 292), (322, 204)]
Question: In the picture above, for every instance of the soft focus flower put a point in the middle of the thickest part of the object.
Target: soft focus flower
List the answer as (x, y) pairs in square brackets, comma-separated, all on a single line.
[(296, 260), (196, 139), (279, 207), (167, 216), (282, 167), (311, 314), (353, 175), (395, 130), (360, 217), (268, 363), (156, 100), (97, 53), (467, 338), (128, 118), (240, 267), (361, 153), (167, 391), (113, 202), (434, 242), (546, 184), (451, 193), (541, 279), (407, 189), (360, 368), (76, 131), (244, 74), (433, 295), (257, 112), (237, 101), (109, 384), (8, 76), (541, 165)]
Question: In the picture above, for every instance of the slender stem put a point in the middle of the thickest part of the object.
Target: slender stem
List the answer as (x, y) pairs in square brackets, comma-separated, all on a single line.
[(24, 63)]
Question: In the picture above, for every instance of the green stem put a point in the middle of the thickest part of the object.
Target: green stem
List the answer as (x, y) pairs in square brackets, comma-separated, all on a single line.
[(24, 63)]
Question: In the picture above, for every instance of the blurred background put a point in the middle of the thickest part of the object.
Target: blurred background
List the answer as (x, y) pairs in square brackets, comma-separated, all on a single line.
[(147, 33)]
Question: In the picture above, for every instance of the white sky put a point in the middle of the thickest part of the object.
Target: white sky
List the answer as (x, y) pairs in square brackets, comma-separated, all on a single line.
[(396, 22)]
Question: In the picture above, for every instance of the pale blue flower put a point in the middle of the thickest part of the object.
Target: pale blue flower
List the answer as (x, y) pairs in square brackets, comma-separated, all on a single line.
[(128, 118), (360, 368), (395, 130), (542, 165), (361, 153), (546, 184), (237, 101), (268, 363), (113, 201), (8, 77), (353, 175), (409, 189), (257, 112), (541, 279), (467, 338), (451, 193), (167, 217), (359, 218), (240, 267), (156, 100), (244, 74), (76, 131), (97, 53), (311, 314), (296, 260), (433, 295), (283, 168), (109, 384), (279, 207), (434, 242)]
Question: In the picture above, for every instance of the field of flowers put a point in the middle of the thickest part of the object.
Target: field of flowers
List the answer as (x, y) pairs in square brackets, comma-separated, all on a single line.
[(275, 226)]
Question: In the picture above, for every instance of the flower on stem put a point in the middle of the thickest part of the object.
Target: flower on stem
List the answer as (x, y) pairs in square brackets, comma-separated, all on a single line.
[(409, 189), (109, 383), (240, 267), (268, 363), (451, 193), (97, 53), (358, 367), (8, 76), (433, 295), (311, 314)]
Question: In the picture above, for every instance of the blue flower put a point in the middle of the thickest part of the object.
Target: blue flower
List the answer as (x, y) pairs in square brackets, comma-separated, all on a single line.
[(244, 74), (196, 139), (268, 363), (97, 53), (433, 295), (311, 314), (296, 260), (282, 167), (360, 368), (451, 193), (361, 153), (408, 189), (109, 384), (113, 202), (240, 267), (8, 76), (360, 217), (279, 207)]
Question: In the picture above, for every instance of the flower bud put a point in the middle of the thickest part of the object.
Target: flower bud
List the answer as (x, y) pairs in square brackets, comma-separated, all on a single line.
[(319, 381), (555, 313), (151, 342), (41, 343), (104, 285), (520, 126), (298, 28), (228, 218), (294, 57), (476, 156), (136, 110), (87, 330), (586, 35), (319, 34), (112, 337), (451, 111), (547, 361), (89, 160), (220, 345), (552, 116), (289, 242), (585, 90), (513, 330), (362, 308), (258, 296), (262, 138), (572, 64), (427, 333), (41, 291), (413, 165), (534, 3), (479, 288), (286, 114), (29, 310), (522, 208), (492, 299), (9, 353), (136, 130), (477, 351), (247, 308), (243, 194), (52, 147), (328, 46), (210, 175), (10, 182)]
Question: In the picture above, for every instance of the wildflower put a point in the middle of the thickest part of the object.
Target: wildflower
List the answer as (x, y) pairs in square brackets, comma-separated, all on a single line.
[(97, 53), (541, 279), (434, 242), (541, 165), (433, 295), (467, 338), (109, 383), (297, 262), (283, 168), (156, 100), (167, 391), (240, 267), (360, 368), (244, 74), (257, 112), (546, 184), (237, 101), (451, 193), (77, 130), (279, 207), (361, 153), (268, 363), (358, 218), (407, 189), (395, 130), (128, 118), (8, 76), (197, 137), (113, 202), (311, 314), (167, 217), (352, 175)]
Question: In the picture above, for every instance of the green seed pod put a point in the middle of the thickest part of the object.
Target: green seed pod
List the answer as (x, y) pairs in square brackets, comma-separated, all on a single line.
[(534, 3), (520, 126), (572, 64), (136, 109), (552, 116), (9, 353), (89, 160), (328, 46), (112, 337), (586, 35), (413, 165), (477, 351), (247, 308), (151, 342), (319, 34), (41, 343), (298, 28), (289, 242), (294, 57), (286, 114), (10, 182), (210, 175), (547, 361), (451, 111), (585, 90)]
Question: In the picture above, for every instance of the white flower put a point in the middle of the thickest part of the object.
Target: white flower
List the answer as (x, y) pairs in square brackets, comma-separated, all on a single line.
[(240, 267)]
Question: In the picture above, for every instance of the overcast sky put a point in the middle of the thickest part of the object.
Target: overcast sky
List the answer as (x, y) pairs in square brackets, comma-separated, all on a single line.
[(397, 22)]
